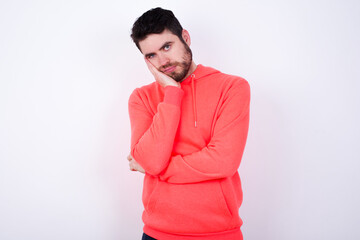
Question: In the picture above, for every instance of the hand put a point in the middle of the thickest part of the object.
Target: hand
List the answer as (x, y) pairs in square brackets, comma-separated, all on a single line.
[(134, 165), (163, 79)]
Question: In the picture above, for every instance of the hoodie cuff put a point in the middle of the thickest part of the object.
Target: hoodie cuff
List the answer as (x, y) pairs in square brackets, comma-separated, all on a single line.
[(173, 95)]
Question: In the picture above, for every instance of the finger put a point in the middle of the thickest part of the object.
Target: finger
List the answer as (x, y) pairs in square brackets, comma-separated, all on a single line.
[(149, 62), (135, 166), (151, 67), (131, 166)]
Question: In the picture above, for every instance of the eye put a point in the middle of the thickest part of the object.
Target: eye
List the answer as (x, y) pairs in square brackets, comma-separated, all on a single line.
[(150, 56), (167, 47)]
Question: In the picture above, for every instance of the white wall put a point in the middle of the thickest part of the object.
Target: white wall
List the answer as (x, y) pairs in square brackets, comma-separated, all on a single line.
[(67, 69)]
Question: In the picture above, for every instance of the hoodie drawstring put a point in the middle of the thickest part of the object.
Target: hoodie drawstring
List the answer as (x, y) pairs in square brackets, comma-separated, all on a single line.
[(194, 98)]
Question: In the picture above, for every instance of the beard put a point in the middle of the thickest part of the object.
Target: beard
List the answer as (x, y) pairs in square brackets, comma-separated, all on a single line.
[(184, 65)]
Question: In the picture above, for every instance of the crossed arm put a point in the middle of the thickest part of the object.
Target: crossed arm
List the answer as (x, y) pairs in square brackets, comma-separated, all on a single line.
[(147, 130), (219, 159)]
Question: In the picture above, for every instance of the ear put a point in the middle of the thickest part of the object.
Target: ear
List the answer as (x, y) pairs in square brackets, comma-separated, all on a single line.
[(186, 37)]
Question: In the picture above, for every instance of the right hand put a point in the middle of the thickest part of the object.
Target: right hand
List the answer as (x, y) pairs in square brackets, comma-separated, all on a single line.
[(163, 79), (134, 165)]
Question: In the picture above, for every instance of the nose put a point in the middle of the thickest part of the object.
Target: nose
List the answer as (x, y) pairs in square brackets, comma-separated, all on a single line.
[(163, 59)]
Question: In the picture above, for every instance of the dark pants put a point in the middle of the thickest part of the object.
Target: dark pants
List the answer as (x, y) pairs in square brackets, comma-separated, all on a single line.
[(147, 237)]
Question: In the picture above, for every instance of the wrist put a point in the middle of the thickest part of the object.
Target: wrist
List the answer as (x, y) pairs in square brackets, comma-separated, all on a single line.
[(174, 85)]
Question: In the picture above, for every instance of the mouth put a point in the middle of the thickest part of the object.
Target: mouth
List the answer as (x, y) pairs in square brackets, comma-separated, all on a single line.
[(169, 69)]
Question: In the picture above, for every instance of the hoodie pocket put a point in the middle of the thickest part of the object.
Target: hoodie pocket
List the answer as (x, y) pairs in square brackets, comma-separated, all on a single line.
[(183, 208), (223, 200)]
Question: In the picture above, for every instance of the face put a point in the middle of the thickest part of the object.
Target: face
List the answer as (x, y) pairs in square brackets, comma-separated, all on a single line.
[(168, 53)]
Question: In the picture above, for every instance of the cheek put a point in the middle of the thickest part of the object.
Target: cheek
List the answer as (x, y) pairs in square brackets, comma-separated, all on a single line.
[(176, 56), (155, 62)]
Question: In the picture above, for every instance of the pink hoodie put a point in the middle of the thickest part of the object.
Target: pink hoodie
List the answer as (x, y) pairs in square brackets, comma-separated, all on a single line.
[(190, 141)]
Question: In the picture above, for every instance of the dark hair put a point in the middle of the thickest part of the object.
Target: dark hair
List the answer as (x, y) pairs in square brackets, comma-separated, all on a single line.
[(155, 20)]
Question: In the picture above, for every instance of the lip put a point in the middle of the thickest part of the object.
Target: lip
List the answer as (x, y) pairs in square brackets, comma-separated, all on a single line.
[(170, 69)]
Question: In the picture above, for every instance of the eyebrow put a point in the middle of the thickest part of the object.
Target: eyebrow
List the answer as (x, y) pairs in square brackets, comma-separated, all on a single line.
[(166, 43)]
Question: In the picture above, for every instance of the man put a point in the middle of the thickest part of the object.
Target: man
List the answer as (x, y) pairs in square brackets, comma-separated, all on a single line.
[(188, 133)]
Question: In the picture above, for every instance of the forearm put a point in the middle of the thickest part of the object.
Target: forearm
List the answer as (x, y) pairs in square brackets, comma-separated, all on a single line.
[(222, 155), (152, 139), (219, 159)]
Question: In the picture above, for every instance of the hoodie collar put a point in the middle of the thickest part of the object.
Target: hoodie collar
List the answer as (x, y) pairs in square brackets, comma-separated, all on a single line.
[(200, 72)]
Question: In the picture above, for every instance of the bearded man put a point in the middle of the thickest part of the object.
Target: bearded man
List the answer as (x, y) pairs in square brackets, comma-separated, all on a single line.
[(188, 133)]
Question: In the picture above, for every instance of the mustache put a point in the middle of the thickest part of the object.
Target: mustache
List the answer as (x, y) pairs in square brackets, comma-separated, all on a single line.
[(162, 68)]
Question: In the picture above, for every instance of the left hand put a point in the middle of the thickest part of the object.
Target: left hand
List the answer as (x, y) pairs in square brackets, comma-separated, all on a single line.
[(163, 79), (134, 165)]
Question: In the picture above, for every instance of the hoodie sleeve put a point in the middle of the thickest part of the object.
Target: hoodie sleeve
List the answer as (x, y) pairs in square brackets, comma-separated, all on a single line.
[(221, 157), (152, 136)]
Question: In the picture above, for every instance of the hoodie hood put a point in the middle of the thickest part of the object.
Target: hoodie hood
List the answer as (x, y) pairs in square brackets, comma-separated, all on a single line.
[(200, 72)]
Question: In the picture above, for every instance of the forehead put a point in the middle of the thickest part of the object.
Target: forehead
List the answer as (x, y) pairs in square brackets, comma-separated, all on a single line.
[(153, 42)]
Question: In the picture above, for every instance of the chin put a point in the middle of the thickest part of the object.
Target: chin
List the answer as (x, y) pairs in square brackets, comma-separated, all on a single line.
[(176, 78), (179, 78)]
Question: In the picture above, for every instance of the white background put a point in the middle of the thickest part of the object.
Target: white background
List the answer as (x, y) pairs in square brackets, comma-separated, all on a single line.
[(67, 69)]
